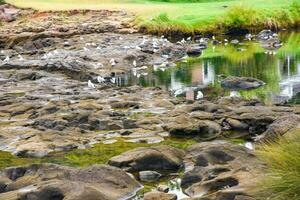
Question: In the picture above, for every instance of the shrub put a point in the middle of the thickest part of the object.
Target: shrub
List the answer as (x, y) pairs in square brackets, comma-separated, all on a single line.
[(282, 180)]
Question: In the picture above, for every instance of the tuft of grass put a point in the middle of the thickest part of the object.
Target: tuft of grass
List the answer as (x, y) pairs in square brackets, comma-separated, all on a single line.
[(282, 180)]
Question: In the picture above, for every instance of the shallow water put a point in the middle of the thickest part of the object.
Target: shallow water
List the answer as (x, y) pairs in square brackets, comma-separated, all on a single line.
[(278, 68)]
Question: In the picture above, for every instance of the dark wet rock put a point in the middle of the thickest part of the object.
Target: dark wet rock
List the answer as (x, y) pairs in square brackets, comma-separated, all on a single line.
[(159, 196), (235, 124), (203, 129), (241, 83), (124, 104), (265, 35), (163, 188), (149, 176), (154, 158), (218, 166), (280, 127), (49, 181), (194, 50)]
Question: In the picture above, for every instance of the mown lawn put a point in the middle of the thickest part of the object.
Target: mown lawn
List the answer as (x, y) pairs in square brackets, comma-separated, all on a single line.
[(188, 15)]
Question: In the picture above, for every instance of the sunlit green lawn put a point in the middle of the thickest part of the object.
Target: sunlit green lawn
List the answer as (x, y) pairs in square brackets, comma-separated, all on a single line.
[(206, 9)]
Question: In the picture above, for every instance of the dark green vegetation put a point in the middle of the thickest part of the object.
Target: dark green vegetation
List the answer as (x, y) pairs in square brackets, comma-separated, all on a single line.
[(282, 181)]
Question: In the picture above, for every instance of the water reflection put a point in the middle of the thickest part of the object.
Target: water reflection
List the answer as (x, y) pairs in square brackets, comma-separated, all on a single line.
[(280, 70)]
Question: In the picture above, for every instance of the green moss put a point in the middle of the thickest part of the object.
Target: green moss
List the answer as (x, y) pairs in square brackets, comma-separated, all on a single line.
[(8, 160), (101, 153)]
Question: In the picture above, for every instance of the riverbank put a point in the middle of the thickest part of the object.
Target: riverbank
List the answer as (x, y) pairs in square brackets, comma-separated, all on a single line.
[(191, 18)]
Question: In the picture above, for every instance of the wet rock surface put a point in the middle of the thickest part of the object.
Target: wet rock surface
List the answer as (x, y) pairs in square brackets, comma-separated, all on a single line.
[(49, 181), (154, 158), (219, 166)]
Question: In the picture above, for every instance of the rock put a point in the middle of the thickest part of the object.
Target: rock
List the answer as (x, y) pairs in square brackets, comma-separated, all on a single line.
[(265, 35), (149, 176), (194, 50), (151, 158), (217, 167), (50, 181), (203, 129), (163, 188), (125, 104), (241, 83), (236, 124), (279, 127), (159, 196)]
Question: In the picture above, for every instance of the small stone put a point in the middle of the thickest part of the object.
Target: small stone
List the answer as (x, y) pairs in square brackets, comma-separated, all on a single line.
[(163, 188), (159, 196), (149, 176)]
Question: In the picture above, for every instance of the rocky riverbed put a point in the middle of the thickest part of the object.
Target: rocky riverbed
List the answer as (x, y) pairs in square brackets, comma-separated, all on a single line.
[(59, 91)]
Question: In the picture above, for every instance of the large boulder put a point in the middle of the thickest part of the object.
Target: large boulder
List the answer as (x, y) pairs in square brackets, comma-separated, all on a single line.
[(55, 182), (203, 129), (152, 158), (280, 127), (241, 83), (219, 167)]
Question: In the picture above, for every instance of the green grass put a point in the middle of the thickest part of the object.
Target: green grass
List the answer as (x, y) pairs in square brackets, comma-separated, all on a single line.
[(161, 16), (282, 181), (99, 154)]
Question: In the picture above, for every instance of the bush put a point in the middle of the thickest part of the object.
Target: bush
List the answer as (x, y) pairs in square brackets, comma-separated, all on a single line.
[(2, 1), (282, 181)]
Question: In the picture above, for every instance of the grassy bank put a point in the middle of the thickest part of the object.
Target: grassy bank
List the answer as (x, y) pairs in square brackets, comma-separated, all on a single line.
[(189, 15), (282, 181)]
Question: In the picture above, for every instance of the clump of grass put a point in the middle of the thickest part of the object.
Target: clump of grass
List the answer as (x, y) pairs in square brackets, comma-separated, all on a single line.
[(282, 180)]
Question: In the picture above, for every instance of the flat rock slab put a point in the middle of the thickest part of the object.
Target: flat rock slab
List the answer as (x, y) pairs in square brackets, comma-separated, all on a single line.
[(50, 181), (241, 83), (153, 158)]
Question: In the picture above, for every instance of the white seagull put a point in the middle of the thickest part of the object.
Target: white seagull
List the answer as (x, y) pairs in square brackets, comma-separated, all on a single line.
[(20, 58), (199, 95), (100, 79), (113, 80), (112, 62), (134, 63), (6, 59), (91, 85)]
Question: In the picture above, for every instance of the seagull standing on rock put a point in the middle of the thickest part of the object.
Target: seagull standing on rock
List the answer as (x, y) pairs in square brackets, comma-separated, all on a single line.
[(100, 79), (20, 58), (91, 85), (112, 62), (134, 63), (7, 59), (199, 95)]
